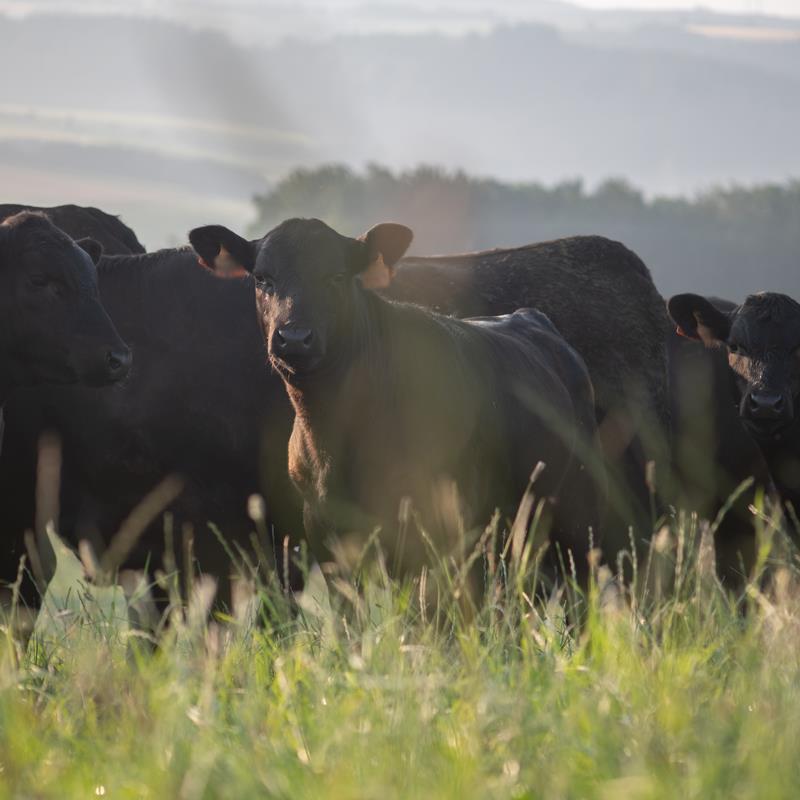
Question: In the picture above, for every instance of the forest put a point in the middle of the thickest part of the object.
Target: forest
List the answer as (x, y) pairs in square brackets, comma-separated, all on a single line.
[(728, 241)]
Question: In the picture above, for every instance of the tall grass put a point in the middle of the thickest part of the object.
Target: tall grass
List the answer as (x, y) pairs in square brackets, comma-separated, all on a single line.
[(675, 687)]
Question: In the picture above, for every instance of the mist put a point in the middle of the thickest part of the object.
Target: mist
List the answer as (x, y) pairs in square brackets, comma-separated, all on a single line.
[(178, 114)]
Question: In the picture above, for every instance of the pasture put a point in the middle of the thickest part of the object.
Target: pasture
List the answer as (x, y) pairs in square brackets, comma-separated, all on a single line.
[(675, 687)]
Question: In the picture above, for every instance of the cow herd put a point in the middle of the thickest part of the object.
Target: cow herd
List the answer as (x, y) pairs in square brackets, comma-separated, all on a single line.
[(369, 396)]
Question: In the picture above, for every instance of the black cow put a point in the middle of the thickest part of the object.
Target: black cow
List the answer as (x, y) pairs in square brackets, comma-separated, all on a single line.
[(201, 402), (80, 222), (53, 328), (762, 340), (602, 299), (394, 401)]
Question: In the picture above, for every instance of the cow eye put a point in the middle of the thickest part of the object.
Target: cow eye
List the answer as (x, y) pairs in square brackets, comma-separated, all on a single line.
[(734, 348), (39, 281), (266, 284)]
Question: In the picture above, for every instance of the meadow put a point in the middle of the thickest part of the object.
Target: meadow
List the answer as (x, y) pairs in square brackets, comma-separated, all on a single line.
[(668, 686)]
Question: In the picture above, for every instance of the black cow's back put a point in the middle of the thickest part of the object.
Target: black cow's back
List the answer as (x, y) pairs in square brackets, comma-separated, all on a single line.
[(597, 292), (85, 221)]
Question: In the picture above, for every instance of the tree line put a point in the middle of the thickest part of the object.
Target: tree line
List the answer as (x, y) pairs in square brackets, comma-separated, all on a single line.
[(728, 241)]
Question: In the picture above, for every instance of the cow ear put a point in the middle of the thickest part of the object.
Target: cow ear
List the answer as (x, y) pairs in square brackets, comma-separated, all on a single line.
[(92, 247), (385, 244), (222, 250), (697, 318)]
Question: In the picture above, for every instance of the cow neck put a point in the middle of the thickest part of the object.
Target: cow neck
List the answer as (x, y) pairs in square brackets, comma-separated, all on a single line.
[(333, 399), (783, 461)]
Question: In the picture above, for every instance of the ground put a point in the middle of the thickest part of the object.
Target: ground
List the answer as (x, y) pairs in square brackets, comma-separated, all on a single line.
[(680, 688)]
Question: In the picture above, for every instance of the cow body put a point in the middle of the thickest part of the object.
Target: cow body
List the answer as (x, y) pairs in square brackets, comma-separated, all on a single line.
[(598, 294), (602, 300)]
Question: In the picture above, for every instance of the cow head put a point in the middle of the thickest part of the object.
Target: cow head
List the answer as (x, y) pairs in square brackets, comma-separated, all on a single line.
[(308, 278), (762, 338), (53, 328)]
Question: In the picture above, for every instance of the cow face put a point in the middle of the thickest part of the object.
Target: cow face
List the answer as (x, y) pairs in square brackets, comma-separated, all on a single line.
[(53, 328), (762, 337), (308, 279)]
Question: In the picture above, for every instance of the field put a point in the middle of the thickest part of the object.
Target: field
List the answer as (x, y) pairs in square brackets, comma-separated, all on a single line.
[(676, 688)]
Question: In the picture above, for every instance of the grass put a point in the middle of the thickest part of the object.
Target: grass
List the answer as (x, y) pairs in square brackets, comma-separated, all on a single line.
[(676, 689)]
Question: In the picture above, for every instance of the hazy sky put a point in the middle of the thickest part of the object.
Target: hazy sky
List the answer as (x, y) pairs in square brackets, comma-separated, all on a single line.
[(784, 7), (787, 7)]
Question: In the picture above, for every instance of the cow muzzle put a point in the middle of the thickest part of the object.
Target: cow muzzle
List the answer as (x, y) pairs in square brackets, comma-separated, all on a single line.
[(299, 349), (293, 341), (767, 412)]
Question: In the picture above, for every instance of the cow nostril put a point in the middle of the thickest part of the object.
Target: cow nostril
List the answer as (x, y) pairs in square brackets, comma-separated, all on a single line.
[(117, 361), (293, 340)]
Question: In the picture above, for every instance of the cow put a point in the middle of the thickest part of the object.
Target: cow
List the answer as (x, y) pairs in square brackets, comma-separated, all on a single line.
[(394, 401), (601, 297), (761, 339), (53, 329), (81, 222), (201, 402)]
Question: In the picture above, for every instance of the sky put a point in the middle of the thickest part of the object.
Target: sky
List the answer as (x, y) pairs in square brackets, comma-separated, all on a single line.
[(788, 7), (782, 7), (785, 7)]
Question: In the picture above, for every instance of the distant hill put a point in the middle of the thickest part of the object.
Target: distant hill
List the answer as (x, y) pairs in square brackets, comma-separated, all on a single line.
[(641, 97)]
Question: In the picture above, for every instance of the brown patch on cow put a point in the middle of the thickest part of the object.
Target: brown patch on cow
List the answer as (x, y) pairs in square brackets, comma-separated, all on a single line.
[(741, 365), (378, 275), (225, 265)]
